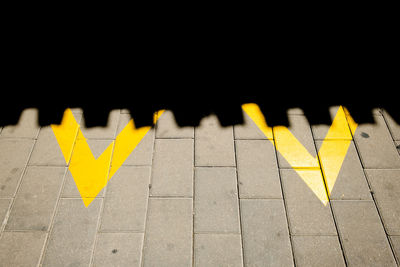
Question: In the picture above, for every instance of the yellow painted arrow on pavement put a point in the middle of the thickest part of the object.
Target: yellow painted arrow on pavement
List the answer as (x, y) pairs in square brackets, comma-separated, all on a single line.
[(90, 174), (330, 155)]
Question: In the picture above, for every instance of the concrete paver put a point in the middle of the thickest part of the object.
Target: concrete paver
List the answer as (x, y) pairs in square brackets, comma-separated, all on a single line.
[(306, 213), (217, 250), (386, 187), (36, 199), (317, 251), (362, 234), (118, 249), (167, 128), (169, 232), (376, 147), (213, 144), (257, 169), (21, 248), (265, 233), (351, 182), (125, 204), (216, 200), (14, 154), (73, 234), (172, 168)]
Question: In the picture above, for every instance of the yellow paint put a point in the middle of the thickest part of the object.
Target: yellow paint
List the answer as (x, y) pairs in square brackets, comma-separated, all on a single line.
[(331, 154), (90, 174)]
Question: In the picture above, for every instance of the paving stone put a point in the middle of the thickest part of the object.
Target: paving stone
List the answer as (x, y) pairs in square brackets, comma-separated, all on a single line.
[(27, 127), (73, 233), (376, 147), (396, 246), (394, 127), (317, 251), (386, 187), (306, 213), (265, 233), (14, 154), (218, 250), (143, 152), (70, 189), (107, 132), (168, 237), (21, 248), (257, 169), (4, 206), (216, 200), (173, 168), (168, 128), (300, 128), (118, 249), (213, 144), (126, 200), (351, 182), (248, 130), (36, 199), (47, 150), (362, 234), (320, 131)]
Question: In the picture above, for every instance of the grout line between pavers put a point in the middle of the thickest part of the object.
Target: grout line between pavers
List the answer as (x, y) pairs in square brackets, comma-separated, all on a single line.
[(328, 196), (283, 199), (103, 199), (141, 263), (238, 195)]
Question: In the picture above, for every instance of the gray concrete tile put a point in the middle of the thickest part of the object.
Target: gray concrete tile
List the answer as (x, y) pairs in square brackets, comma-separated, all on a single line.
[(317, 251), (216, 200), (70, 189), (107, 132), (73, 233), (118, 249), (300, 128), (396, 246), (47, 150), (376, 147), (351, 182), (394, 127), (36, 199), (4, 206), (125, 204), (363, 238), (306, 213), (213, 144), (386, 187), (265, 233), (168, 237), (168, 128), (143, 152), (21, 248), (27, 126), (14, 154), (257, 168), (217, 250), (172, 168), (248, 130)]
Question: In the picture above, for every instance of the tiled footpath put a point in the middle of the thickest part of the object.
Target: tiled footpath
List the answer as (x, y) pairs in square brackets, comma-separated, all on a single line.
[(209, 196)]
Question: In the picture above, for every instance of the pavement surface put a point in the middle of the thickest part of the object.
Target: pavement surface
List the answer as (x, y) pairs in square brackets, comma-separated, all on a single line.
[(203, 196)]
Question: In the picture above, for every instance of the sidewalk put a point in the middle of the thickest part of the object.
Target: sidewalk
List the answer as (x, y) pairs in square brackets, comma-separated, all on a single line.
[(209, 196)]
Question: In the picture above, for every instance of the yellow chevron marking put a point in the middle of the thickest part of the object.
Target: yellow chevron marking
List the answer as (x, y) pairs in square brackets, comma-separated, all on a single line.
[(91, 175), (330, 156)]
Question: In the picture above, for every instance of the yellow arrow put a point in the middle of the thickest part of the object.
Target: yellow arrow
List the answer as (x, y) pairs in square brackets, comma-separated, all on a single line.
[(330, 156), (91, 175)]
